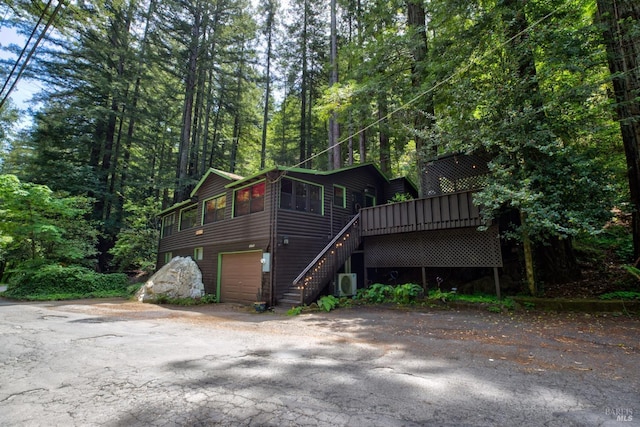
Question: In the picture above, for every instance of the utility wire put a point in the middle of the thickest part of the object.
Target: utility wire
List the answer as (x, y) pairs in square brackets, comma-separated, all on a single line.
[(32, 51), (24, 49), (473, 61)]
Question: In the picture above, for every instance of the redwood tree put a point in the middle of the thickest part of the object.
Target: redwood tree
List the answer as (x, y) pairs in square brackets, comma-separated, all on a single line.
[(621, 31)]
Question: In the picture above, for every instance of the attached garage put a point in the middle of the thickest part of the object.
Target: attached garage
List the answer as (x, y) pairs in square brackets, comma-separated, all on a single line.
[(240, 277)]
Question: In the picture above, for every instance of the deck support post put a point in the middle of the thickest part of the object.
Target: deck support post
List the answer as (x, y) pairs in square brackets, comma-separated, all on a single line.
[(496, 278), (424, 281)]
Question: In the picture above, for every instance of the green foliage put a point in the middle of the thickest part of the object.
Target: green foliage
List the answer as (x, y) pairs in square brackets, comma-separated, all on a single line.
[(209, 299), (491, 301), (437, 294), (377, 293), (616, 238), (137, 243), (633, 270), (37, 224), (328, 303), (407, 293), (400, 197), (294, 311), (54, 281), (624, 295), (185, 302)]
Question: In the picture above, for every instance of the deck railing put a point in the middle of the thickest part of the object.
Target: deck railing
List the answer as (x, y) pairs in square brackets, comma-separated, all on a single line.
[(323, 268), (432, 213)]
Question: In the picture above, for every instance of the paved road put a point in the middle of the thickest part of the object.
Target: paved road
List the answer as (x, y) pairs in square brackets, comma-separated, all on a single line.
[(116, 363)]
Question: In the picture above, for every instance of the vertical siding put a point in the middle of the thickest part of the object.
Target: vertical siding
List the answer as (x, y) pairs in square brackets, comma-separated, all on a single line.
[(439, 212)]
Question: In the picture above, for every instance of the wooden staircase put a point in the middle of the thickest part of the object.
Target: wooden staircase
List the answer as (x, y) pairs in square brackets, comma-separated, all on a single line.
[(313, 279)]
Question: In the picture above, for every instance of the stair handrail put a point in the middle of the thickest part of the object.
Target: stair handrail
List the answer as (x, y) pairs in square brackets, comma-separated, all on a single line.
[(326, 248)]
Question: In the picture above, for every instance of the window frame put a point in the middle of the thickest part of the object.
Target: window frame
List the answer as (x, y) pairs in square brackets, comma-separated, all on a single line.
[(164, 227), (251, 205), (370, 197), (308, 191), (168, 256), (193, 224), (198, 253), (343, 203), (203, 218)]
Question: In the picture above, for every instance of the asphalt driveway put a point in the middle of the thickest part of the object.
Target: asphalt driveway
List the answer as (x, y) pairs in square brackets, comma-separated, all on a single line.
[(117, 363)]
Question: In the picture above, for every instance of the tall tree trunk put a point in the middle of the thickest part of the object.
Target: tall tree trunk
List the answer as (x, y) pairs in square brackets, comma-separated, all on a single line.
[(238, 112), (385, 150), (335, 156), (207, 159), (423, 119), (133, 113), (621, 23), (267, 93), (182, 185), (304, 88)]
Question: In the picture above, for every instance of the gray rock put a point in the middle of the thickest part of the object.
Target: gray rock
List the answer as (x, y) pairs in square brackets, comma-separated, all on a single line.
[(180, 278)]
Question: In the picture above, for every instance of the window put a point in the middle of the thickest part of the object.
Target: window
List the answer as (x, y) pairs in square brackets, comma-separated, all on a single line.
[(339, 196), (167, 225), (249, 199), (301, 196), (198, 254), (167, 257), (214, 209), (369, 200), (188, 217)]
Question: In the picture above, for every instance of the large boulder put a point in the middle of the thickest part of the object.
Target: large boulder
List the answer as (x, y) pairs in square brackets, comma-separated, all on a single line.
[(180, 278)]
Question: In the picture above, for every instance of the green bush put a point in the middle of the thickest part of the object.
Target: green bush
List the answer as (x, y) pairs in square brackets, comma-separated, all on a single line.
[(64, 282), (624, 295), (407, 293), (376, 293), (328, 303)]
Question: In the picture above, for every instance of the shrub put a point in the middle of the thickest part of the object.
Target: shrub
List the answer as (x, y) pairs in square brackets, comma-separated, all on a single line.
[(624, 295), (407, 293), (64, 282), (328, 303), (376, 293)]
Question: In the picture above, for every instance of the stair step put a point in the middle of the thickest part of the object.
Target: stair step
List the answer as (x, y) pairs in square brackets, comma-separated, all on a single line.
[(291, 297)]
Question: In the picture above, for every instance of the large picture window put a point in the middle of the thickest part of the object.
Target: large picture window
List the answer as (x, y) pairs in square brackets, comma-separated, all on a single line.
[(188, 217), (214, 209), (167, 225), (249, 199), (301, 196)]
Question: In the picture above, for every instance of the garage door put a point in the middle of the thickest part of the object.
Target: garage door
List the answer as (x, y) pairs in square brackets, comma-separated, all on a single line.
[(240, 277)]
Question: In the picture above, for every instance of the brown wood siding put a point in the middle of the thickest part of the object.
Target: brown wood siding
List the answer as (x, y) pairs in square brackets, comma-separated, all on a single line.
[(309, 233), (241, 277), (249, 232)]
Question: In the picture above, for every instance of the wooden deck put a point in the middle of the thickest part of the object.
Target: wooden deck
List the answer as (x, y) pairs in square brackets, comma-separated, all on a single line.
[(446, 211)]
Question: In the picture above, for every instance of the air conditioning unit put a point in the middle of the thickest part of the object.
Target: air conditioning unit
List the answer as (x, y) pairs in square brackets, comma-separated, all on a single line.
[(347, 284)]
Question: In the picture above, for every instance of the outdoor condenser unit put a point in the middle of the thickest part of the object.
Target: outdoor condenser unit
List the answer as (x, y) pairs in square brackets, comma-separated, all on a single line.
[(347, 284)]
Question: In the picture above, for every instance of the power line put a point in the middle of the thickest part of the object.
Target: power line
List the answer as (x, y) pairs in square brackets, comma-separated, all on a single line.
[(32, 51), (471, 63), (24, 49)]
